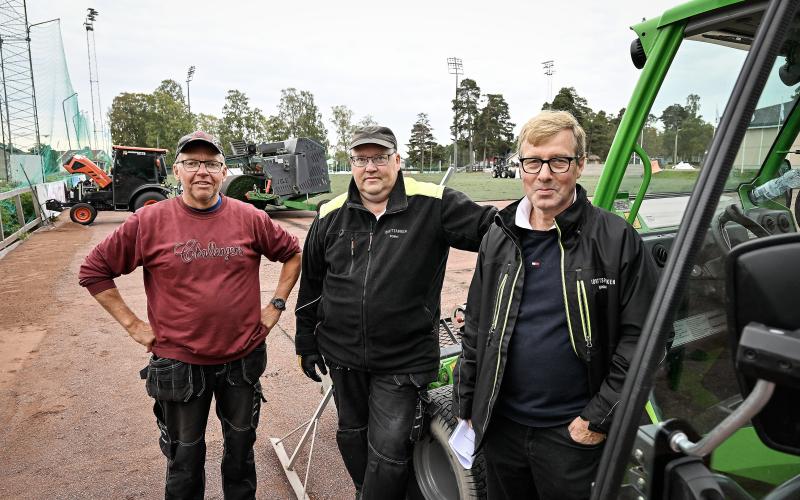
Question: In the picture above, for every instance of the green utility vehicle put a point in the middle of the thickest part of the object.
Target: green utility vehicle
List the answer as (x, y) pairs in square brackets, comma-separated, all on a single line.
[(719, 415)]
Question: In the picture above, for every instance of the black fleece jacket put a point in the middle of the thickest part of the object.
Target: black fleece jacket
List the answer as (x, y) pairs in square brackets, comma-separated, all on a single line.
[(607, 284), (370, 288)]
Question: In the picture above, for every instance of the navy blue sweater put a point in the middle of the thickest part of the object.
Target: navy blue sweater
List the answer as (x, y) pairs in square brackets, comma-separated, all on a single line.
[(545, 384)]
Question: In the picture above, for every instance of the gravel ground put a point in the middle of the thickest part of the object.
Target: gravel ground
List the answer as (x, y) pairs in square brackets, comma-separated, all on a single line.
[(75, 419)]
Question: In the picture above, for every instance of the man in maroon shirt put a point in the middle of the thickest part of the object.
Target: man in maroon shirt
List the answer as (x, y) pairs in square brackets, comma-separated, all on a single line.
[(201, 254)]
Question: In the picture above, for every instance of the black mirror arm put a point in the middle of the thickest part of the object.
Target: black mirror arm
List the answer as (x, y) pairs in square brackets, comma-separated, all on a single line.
[(755, 402)]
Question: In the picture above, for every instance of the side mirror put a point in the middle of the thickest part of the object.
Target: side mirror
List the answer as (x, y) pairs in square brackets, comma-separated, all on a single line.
[(763, 286)]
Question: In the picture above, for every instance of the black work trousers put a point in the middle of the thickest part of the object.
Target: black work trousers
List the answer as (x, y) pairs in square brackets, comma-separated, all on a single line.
[(376, 417), (182, 394), (541, 463)]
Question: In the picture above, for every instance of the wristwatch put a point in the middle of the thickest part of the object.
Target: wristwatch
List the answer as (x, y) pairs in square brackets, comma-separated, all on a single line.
[(279, 304)]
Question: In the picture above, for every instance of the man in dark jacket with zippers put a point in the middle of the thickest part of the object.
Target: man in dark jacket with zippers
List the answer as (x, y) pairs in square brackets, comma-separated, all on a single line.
[(554, 312), (373, 265)]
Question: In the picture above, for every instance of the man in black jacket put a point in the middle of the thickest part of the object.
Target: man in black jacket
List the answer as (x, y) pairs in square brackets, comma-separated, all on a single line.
[(369, 298), (554, 311)]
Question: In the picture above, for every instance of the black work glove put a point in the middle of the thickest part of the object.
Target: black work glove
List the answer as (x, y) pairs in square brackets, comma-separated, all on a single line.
[(309, 364)]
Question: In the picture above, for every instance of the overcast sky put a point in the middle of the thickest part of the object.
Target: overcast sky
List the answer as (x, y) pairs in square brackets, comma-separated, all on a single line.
[(389, 61)]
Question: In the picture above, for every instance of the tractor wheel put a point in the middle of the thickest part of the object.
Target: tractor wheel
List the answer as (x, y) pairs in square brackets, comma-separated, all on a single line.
[(494, 174), (437, 471), (504, 174), (82, 213), (147, 198), (511, 174)]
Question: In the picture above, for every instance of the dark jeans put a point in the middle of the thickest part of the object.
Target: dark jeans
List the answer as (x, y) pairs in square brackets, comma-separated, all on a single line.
[(376, 416), (182, 394), (537, 463)]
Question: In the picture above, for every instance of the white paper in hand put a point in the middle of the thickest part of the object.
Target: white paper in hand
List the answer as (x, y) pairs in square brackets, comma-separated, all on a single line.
[(462, 442)]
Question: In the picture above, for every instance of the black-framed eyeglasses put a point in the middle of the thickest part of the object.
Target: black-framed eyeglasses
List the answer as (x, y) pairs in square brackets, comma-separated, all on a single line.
[(377, 160), (212, 166), (557, 164)]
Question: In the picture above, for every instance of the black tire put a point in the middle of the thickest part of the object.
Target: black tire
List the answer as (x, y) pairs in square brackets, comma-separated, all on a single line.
[(82, 213), (504, 174), (437, 471), (511, 174), (148, 198), (236, 186), (494, 174)]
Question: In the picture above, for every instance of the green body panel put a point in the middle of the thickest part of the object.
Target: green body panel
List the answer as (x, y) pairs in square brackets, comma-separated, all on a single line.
[(298, 205), (647, 174), (666, 46), (445, 372), (744, 455)]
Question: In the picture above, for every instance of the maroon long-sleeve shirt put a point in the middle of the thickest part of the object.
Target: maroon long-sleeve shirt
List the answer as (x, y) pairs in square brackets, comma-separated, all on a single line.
[(200, 274)]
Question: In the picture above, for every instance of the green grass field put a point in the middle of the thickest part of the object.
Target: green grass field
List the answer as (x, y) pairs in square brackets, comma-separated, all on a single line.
[(480, 186)]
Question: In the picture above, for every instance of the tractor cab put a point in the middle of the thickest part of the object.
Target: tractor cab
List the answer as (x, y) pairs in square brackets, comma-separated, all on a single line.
[(137, 177), (711, 404)]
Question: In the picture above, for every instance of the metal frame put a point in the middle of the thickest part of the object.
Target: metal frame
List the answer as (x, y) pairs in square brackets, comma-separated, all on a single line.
[(288, 462)]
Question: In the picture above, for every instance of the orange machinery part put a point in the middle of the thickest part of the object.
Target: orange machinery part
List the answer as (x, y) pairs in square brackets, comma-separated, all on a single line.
[(79, 164)]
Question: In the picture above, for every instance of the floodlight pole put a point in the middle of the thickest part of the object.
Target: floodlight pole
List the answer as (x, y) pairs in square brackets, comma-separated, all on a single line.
[(88, 23), (548, 72), (189, 76), (455, 67)]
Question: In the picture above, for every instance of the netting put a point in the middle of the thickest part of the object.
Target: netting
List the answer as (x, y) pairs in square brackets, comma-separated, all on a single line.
[(64, 128)]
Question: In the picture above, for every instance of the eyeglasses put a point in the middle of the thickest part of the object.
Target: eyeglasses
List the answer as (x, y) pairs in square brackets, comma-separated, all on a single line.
[(377, 160), (212, 166), (557, 164)]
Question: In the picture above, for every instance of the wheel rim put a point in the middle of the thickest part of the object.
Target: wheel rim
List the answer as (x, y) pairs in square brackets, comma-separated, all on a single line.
[(150, 202), (83, 214), (432, 469)]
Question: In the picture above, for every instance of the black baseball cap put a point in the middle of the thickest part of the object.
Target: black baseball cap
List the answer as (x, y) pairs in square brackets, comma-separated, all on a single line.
[(199, 136), (382, 136)]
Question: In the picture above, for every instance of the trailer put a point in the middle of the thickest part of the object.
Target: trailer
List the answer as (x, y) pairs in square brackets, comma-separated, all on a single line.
[(278, 175)]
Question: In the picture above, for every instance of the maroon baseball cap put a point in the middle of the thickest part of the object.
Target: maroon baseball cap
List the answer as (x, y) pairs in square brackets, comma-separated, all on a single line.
[(199, 136)]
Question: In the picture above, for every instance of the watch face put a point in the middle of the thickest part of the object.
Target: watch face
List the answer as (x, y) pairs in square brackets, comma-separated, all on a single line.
[(279, 304)]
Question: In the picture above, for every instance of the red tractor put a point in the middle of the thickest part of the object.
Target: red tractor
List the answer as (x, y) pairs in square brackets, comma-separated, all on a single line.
[(137, 178)]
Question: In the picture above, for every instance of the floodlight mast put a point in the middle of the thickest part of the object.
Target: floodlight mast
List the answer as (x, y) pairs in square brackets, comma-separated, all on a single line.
[(455, 67)]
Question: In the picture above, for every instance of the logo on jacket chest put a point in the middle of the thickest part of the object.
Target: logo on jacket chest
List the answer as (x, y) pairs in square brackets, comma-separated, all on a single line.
[(603, 283), (192, 250), (395, 233)]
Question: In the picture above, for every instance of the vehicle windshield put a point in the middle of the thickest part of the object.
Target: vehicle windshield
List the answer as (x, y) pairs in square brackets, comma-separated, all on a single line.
[(696, 381)]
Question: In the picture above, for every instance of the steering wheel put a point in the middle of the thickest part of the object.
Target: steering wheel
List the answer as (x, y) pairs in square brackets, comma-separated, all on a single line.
[(733, 213)]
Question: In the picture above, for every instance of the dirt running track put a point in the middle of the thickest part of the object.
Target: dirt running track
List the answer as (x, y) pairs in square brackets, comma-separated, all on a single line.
[(75, 421)]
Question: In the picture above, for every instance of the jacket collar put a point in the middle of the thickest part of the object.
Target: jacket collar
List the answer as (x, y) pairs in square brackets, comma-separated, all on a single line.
[(569, 222), (398, 201)]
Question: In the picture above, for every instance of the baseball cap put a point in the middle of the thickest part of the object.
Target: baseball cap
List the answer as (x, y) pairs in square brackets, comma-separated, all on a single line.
[(199, 136), (382, 136)]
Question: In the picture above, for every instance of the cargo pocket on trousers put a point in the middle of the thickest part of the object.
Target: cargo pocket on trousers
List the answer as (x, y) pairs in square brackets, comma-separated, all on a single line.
[(172, 380), (247, 370)]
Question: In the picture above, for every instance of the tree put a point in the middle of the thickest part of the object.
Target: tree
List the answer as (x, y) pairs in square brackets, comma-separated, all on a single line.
[(494, 131), (421, 141), (129, 118), (240, 121), (465, 112), (367, 121), (300, 116), (599, 133), (567, 99), (207, 123), (342, 121), (150, 120)]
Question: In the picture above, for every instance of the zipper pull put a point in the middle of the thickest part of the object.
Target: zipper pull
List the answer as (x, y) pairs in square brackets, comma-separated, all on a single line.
[(369, 248), (352, 246), (489, 337)]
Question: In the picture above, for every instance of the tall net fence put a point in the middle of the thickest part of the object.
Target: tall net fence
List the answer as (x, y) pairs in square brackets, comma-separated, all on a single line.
[(37, 97)]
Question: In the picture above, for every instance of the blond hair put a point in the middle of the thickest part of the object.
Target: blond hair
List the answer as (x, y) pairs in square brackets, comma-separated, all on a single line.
[(549, 123)]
